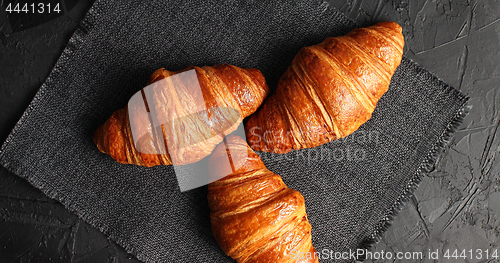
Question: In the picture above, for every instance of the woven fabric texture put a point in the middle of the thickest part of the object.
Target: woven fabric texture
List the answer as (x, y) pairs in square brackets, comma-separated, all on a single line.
[(352, 186)]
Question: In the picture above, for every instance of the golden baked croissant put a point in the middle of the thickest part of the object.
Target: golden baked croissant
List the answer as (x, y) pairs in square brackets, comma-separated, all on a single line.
[(329, 90), (182, 115), (255, 216)]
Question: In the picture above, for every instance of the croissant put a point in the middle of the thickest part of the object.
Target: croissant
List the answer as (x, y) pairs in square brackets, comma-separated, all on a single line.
[(182, 115), (328, 91), (255, 217)]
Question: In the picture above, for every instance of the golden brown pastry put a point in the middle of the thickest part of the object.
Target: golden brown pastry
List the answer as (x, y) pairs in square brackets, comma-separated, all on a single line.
[(329, 90), (187, 123), (255, 216)]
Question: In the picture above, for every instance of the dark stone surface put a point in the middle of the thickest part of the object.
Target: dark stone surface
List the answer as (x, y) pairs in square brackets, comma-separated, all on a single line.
[(33, 227), (456, 207)]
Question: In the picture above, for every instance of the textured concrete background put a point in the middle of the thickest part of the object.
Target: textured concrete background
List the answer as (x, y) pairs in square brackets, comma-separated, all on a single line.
[(456, 207)]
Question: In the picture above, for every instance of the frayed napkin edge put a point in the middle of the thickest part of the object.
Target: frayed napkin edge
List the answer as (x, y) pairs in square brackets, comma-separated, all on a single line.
[(426, 167)]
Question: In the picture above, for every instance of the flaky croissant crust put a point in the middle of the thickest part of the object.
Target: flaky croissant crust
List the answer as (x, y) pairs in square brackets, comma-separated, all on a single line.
[(329, 90), (223, 87), (255, 216)]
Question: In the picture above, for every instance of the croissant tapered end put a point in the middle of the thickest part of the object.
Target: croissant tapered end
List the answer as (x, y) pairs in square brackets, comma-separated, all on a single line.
[(191, 109), (255, 216), (329, 90)]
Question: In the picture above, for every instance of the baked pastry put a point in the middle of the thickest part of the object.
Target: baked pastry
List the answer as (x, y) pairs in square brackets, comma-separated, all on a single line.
[(255, 216), (329, 90), (182, 115)]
